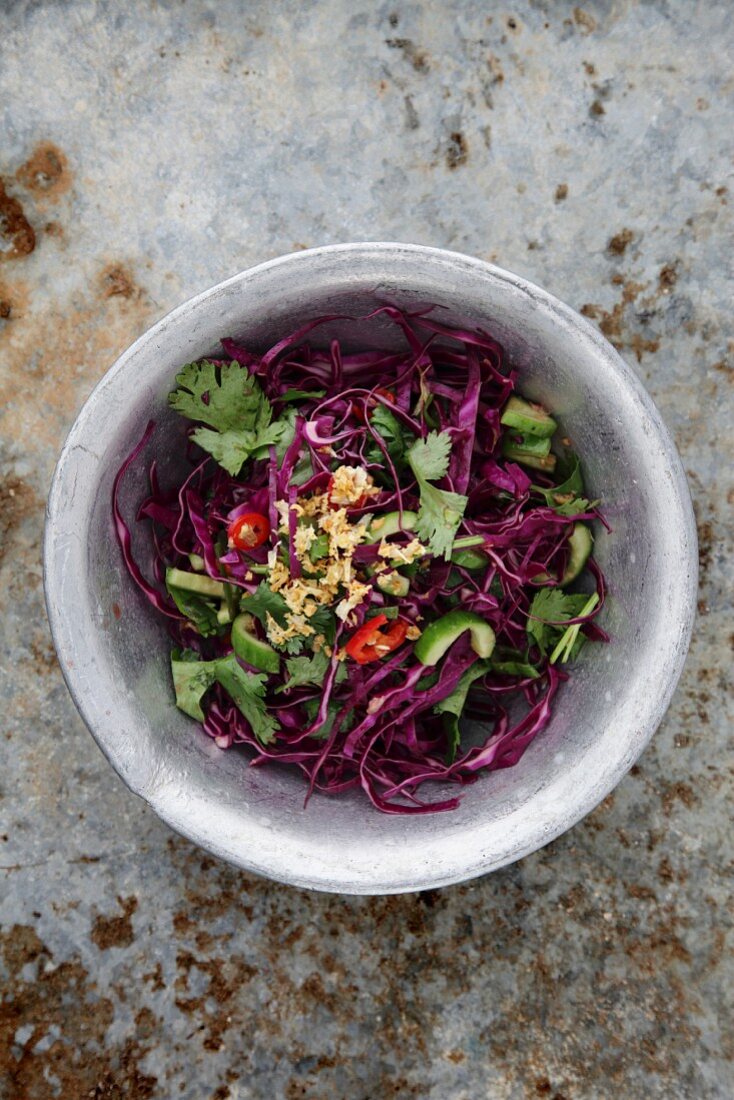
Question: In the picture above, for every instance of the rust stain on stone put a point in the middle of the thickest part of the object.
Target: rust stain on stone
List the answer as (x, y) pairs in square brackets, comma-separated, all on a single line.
[(17, 236), (46, 172), (116, 281), (582, 19), (64, 1024), (617, 245), (51, 357), (705, 531), (418, 58), (668, 277), (613, 323), (18, 501), (677, 792), (457, 152), (116, 930)]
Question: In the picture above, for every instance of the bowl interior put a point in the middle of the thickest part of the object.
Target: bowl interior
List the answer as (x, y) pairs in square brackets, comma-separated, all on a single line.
[(115, 651)]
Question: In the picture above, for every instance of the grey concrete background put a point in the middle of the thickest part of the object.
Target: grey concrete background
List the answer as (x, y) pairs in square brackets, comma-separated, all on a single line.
[(149, 149)]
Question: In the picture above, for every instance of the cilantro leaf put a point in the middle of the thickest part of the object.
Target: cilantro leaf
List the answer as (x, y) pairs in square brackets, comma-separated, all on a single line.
[(192, 679), (319, 548), (567, 498), (299, 395), (247, 690), (394, 435), (323, 621), (574, 507), (452, 706), (234, 397), (305, 670), (197, 609), (515, 668), (280, 435), (441, 511), (429, 457), (439, 517), (571, 639), (311, 670), (264, 600), (311, 707), (231, 402), (552, 606)]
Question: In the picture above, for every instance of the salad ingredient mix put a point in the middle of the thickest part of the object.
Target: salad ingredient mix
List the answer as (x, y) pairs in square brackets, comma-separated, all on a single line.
[(366, 547)]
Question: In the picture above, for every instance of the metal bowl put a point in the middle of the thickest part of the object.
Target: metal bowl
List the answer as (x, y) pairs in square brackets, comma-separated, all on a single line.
[(114, 652)]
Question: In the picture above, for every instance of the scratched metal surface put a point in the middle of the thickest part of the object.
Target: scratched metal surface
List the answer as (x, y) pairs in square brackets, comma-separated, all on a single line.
[(150, 149)]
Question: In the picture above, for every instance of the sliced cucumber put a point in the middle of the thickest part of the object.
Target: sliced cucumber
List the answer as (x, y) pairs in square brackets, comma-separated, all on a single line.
[(389, 524), (528, 444), (520, 454), (250, 649), (528, 418), (438, 636), (473, 560), (580, 542), (195, 582), (197, 563), (393, 584)]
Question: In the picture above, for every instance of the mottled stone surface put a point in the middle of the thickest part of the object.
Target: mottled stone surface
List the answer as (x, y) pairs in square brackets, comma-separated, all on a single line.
[(149, 149)]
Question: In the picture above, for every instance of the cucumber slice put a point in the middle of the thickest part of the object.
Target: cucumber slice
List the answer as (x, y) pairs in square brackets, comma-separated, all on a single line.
[(197, 563), (250, 649), (528, 444), (519, 454), (473, 560), (389, 524), (438, 636), (195, 582), (580, 542), (528, 418), (393, 584)]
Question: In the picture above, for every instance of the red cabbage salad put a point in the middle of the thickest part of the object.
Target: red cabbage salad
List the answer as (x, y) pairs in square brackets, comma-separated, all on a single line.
[(366, 548)]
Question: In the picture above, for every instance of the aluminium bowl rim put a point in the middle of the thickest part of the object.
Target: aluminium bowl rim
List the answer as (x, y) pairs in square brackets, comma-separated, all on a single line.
[(538, 835)]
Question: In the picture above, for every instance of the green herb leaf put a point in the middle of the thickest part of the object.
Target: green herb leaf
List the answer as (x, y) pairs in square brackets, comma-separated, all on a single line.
[(515, 668), (280, 435), (236, 410), (319, 548), (311, 707), (441, 511), (311, 670), (247, 690), (300, 395), (566, 498), (568, 644), (197, 609), (192, 679), (234, 397), (394, 435), (439, 517), (429, 457), (264, 600), (552, 606), (452, 706), (305, 670), (232, 448)]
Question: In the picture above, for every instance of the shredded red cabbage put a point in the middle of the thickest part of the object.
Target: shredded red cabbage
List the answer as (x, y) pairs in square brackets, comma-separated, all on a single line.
[(380, 727)]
